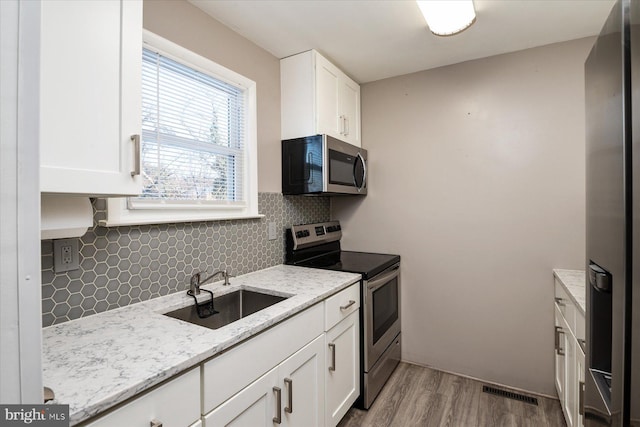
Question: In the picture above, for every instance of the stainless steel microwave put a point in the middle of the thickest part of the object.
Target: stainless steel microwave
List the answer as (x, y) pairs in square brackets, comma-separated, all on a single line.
[(321, 164)]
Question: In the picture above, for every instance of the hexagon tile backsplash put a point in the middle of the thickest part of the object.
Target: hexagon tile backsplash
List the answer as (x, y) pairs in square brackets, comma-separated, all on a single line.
[(124, 265)]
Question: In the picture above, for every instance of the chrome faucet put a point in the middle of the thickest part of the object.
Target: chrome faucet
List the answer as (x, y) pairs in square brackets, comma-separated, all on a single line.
[(196, 282)]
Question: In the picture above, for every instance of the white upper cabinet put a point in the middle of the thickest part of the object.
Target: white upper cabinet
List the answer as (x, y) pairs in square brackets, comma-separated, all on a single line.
[(317, 97), (91, 58)]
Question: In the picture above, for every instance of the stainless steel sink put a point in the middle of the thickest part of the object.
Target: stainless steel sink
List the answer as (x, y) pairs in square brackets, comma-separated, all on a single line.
[(231, 307)]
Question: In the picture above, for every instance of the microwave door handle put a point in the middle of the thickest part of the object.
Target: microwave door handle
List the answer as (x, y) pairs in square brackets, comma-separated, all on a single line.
[(309, 164), (364, 172)]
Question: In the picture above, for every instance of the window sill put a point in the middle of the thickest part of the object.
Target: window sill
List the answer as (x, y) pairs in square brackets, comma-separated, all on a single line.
[(118, 215)]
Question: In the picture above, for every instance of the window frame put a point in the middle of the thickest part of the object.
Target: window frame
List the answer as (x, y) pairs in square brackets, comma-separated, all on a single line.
[(159, 212)]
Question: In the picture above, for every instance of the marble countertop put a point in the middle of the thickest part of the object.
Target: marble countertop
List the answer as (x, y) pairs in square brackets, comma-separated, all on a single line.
[(96, 362), (574, 281)]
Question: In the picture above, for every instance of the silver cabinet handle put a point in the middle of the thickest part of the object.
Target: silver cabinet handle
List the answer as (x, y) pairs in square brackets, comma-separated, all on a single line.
[(349, 304), (278, 418), (581, 398), (155, 423), (559, 302), (346, 126), (559, 350), (332, 346), (136, 144), (289, 408)]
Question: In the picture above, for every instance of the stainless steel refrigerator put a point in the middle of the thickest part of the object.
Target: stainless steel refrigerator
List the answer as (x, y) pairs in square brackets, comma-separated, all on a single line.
[(612, 79)]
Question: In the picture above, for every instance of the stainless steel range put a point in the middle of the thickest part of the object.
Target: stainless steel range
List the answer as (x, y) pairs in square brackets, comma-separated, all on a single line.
[(318, 246)]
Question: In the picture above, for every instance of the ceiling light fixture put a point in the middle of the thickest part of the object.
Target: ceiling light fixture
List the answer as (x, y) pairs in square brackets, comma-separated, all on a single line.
[(448, 17)]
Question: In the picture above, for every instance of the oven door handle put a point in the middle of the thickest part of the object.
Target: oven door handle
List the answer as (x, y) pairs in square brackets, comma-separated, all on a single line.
[(372, 285)]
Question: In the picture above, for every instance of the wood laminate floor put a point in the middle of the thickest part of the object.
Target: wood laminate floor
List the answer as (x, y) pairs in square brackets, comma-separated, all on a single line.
[(419, 396)]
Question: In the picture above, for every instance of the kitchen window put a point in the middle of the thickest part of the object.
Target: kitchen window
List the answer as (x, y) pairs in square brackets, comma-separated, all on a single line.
[(198, 141)]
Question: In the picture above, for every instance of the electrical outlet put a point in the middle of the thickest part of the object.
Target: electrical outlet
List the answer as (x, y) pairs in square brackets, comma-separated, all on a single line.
[(66, 255), (273, 235)]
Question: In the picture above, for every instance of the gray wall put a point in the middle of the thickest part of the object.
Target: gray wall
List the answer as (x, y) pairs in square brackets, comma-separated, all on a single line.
[(477, 180)]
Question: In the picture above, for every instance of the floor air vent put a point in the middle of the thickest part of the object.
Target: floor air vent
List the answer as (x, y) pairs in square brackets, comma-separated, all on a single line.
[(510, 395)]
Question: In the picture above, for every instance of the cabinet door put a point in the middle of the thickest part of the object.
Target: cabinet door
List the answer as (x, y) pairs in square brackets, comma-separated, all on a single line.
[(90, 96), (559, 353), (176, 403), (580, 373), (327, 89), (349, 102), (571, 381), (302, 383), (342, 378), (254, 406)]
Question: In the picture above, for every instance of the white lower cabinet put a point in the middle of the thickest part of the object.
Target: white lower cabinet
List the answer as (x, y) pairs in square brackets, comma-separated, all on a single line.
[(342, 376), (173, 404), (291, 394), (569, 357)]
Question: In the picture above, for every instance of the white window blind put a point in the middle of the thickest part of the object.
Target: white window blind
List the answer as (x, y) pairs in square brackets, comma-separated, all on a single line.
[(193, 137)]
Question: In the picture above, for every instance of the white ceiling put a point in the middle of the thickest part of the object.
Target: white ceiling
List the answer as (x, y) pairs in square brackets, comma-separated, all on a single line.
[(375, 39)]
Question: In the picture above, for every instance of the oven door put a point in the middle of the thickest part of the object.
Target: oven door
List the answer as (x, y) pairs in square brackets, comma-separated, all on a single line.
[(382, 314)]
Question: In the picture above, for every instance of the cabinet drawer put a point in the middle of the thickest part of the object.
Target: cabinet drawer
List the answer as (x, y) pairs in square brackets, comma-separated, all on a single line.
[(175, 403), (565, 305), (341, 305), (230, 372)]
